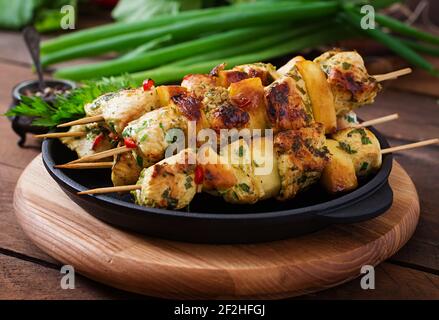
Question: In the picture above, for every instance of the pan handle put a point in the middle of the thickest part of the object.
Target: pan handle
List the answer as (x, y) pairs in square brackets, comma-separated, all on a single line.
[(370, 207)]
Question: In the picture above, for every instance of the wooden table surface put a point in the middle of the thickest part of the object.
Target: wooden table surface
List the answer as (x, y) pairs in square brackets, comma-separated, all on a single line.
[(413, 273)]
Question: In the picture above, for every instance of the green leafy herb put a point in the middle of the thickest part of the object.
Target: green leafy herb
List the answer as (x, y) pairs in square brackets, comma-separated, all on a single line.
[(70, 107), (364, 138), (172, 202), (244, 187), (349, 119), (139, 161), (300, 89), (346, 65), (188, 183), (144, 138), (364, 166), (346, 147), (241, 151), (127, 132)]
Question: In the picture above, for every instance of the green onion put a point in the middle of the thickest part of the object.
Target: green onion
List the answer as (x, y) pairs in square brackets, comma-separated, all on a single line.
[(122, 28), (161, 56), (404, 29), (196, 26), (430, 50), (248, 47), (175, 73), (392, 43)]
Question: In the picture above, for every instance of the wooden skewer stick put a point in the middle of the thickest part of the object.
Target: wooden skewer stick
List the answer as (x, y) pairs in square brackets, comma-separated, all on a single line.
[(82, 121), (392, 75), (60, 135), (112, 189), (112, 152), (101, 155), (410, 146), (85, 165), (377, 121)]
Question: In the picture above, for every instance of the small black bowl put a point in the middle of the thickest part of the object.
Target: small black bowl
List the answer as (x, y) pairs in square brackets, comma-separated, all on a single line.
[(210, 219), (21, 124)]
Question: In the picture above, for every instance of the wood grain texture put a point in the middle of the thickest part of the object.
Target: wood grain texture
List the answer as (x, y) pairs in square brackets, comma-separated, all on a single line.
[(181, 270), (27, 280)]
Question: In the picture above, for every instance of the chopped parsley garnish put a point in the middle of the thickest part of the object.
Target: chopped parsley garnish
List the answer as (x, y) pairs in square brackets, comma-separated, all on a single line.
[(188, 183), (144, 137), (166, 195), (346, 65), (300, 89), (295, 76), (241, 151), (350, 119), (111, 125), (346, 147), (139, 161), (364, 138), (364, 166), (244, 187), (127, 132)]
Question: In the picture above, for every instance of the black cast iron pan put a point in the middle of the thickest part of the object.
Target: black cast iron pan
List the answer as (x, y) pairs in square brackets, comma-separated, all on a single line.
[(210, 219)]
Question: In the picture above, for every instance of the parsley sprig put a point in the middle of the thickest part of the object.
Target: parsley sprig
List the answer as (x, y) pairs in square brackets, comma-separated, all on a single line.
[(70, 107)]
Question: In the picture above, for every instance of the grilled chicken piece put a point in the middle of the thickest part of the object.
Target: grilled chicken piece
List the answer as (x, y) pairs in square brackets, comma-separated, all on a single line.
[(126, 169), (350, 83), (231, 175), (150, 132), (200, 84), (96, 140), (363, 148), (169, 183), (339, 174), (119, 108), (288, 104), (354, 153), (301, 157), (347, 120), (297, 161)]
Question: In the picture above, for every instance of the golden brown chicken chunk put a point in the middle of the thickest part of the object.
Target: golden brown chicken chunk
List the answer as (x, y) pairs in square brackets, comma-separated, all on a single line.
[(301, 157), (95, 140), (169, 183), (119, 108), (288, 105), (363, 148), (350, 82)]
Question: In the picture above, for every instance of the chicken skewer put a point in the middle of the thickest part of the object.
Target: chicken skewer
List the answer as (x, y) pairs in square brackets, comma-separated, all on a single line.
[(297, 164), (333, 58), (315, 81), (320, 96), (89, 165), (129, 99), (303, 68)]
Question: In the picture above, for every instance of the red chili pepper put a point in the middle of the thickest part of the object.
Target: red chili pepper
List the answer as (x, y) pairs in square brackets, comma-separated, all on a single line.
[(129, 143), (97, 141), (199, 175), (148, 84)]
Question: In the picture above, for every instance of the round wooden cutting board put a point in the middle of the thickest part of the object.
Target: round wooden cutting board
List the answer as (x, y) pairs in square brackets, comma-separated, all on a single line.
[(182, 270)]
